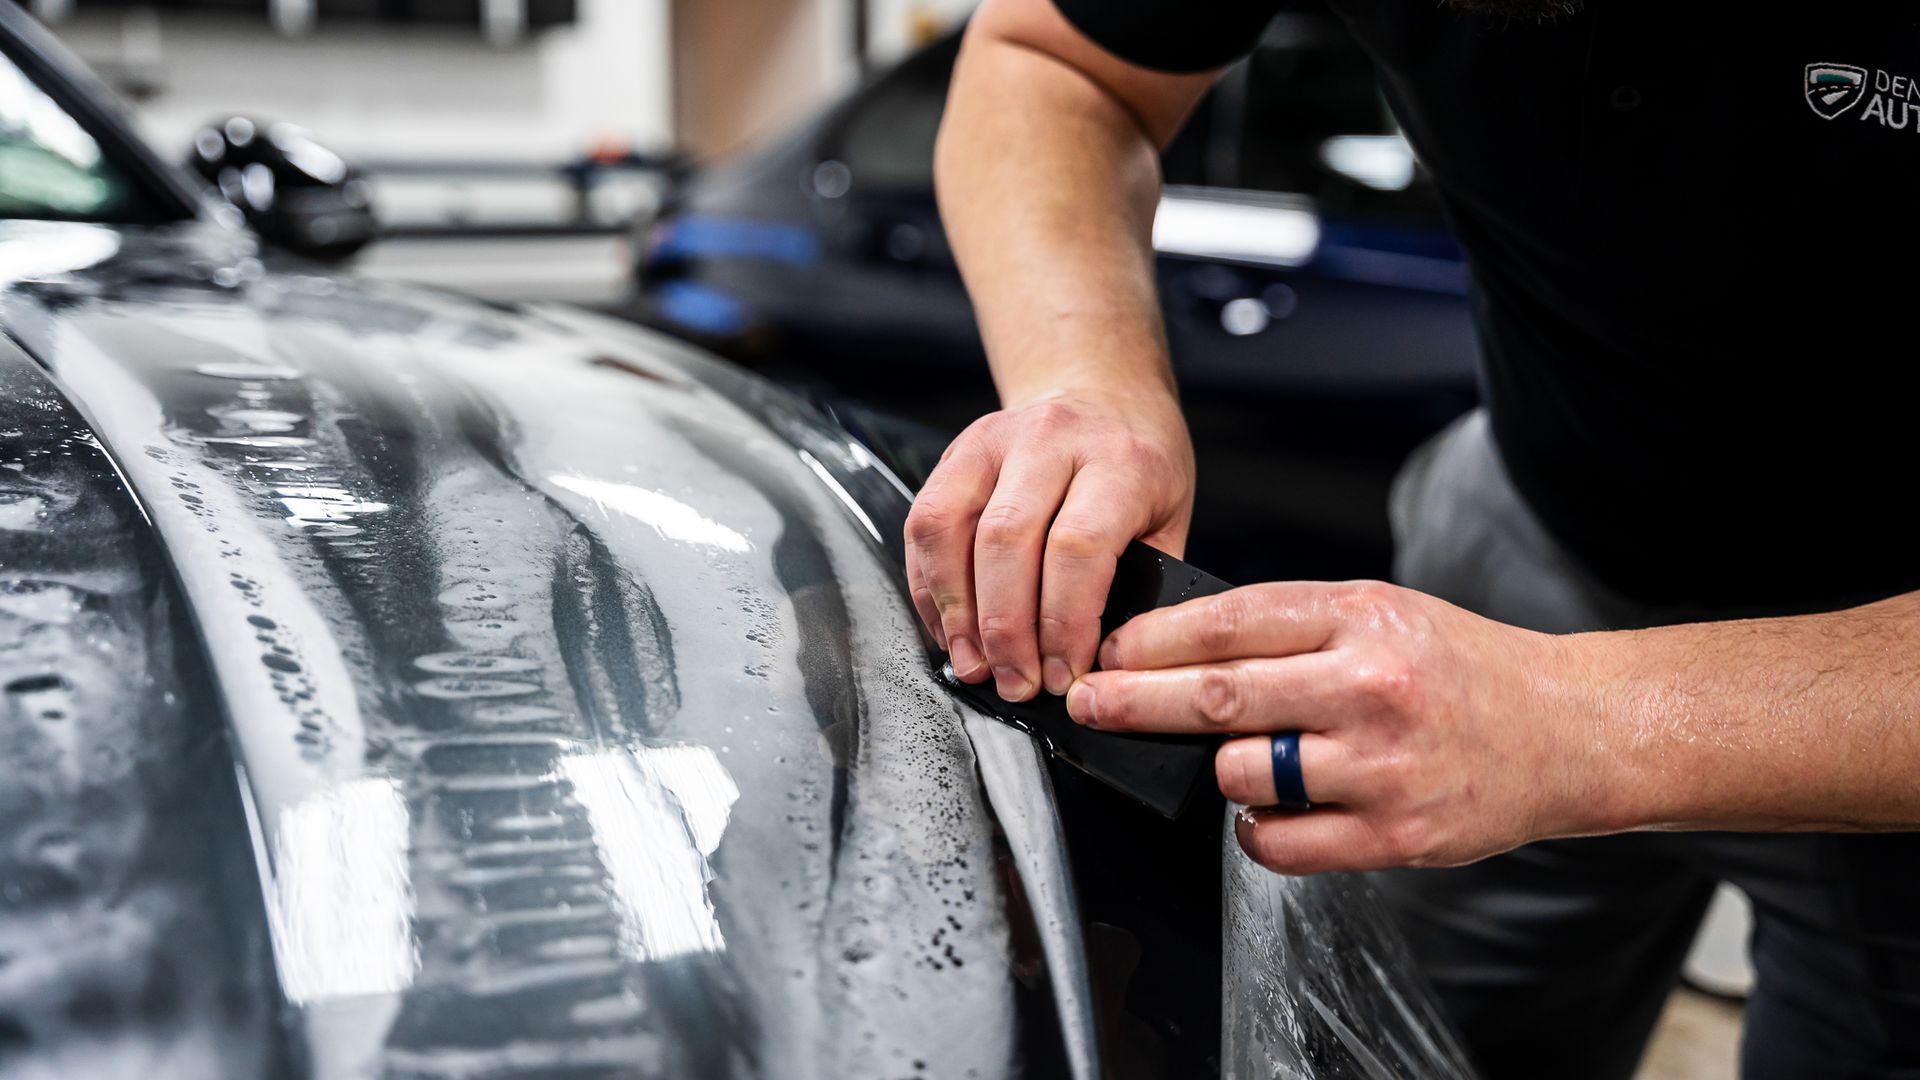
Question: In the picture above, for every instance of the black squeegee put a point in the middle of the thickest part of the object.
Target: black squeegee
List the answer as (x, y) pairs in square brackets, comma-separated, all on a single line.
[(1157, 771)]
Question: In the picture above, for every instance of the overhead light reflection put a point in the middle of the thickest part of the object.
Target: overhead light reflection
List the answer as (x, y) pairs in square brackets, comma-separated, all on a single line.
[(27, 109), (306, 155), (38, 249), (1382, 162), (1273, 230), (671, 518), (846, 497), (657, 813), (340, 899)]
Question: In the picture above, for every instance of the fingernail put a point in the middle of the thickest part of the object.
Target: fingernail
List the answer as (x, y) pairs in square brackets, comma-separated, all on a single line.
[(1012, 685), (1080, 703), (966, 658), (1108, 657), (1056, 675)]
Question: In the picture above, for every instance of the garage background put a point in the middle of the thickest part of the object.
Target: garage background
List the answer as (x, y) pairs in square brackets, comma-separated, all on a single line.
[(474, 117)]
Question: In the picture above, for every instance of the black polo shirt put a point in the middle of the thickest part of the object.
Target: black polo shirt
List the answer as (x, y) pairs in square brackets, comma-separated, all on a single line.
[(1694, 232)]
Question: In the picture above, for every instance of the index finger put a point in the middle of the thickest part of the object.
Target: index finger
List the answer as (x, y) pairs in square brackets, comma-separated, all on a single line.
[(1280, 618), (1092, 528), (940, 530)]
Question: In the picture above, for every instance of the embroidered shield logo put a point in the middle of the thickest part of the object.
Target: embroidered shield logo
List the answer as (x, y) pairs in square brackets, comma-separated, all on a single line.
[(1832, 89)]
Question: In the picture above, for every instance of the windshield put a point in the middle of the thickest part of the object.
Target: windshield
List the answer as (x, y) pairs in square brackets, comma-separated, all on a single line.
[(51, 167)]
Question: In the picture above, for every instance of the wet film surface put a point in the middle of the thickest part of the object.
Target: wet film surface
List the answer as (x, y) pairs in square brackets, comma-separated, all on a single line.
[(400, 686), (1318, 983), (132, 941)]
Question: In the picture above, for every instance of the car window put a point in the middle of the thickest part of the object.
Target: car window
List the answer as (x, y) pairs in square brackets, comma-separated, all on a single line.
[(50, 167)]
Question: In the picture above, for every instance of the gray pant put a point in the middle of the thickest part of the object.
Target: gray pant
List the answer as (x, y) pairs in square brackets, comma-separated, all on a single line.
[(1554, 960)]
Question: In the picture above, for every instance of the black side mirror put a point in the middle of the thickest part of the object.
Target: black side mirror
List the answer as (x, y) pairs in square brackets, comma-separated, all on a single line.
[(294, 192)]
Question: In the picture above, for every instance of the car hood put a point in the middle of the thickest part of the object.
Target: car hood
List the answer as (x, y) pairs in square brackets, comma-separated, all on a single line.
[(400, 685), (579, 722)]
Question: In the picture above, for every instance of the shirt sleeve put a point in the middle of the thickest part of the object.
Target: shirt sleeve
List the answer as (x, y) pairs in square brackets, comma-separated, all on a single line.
[(1172, 35)]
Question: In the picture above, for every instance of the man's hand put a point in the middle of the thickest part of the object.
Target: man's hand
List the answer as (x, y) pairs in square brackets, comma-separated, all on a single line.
[(1048, 174), (1012, 542), (1430, 736)]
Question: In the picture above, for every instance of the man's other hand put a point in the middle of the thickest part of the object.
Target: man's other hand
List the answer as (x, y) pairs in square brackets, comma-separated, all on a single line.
[(1011, 544), (1429, 736)]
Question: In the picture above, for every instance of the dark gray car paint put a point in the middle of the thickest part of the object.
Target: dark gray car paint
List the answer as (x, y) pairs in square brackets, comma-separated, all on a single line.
[(581, 726), (490, 765), (130, 927)]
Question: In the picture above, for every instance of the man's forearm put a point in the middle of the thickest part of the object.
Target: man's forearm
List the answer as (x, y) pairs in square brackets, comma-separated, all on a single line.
[(1048, 179), (1431, 736), (1810, 722), (1047, 187)]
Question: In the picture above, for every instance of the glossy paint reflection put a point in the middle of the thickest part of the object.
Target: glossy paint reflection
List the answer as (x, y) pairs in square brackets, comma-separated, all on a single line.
[(586, 726), (36, 249), (679, 798), (1319, 983), (132, 940), (339, 898), (671, 518)]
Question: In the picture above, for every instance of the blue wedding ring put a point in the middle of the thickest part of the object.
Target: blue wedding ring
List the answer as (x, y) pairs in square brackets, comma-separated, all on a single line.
[(1288, 782)]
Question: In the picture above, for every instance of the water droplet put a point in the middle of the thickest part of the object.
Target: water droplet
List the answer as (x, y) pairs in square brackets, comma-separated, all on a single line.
[(265, 421), (246, 370), (516, 714), (280, 663), (453, 688), (472, 594), (258, 442), (462, 663)]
